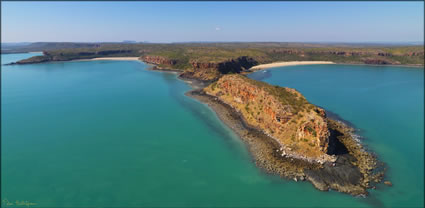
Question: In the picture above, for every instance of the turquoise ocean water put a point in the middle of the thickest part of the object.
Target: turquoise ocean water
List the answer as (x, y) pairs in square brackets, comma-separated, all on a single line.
[(113, 134)]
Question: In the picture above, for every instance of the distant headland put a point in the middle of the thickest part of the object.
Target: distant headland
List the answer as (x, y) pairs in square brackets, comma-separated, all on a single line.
[(201, 57)]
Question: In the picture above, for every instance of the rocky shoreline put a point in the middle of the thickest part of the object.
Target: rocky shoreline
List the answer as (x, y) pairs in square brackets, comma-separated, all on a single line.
[(354, 171)]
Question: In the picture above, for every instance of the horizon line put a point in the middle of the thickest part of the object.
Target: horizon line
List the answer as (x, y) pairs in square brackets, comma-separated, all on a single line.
[(134, 41)]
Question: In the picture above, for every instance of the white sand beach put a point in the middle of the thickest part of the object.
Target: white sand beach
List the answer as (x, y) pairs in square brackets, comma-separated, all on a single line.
[(118, 58), (288, 63)]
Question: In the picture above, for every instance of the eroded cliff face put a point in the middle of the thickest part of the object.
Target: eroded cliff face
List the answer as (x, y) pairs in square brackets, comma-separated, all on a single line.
[(202, 70), (213, 70), (284, 114), (159, 60)]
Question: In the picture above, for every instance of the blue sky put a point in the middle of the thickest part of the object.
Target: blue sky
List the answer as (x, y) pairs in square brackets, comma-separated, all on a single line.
[(213, 21)]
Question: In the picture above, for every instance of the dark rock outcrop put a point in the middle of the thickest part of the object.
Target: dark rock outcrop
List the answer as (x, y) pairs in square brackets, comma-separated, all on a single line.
[(236, 66), (384, 54)]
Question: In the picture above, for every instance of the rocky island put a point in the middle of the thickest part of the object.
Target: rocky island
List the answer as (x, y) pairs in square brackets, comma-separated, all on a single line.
[(285, 133), (290, 137)]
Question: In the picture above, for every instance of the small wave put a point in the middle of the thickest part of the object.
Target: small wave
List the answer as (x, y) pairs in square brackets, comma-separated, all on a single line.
[(358, 139)]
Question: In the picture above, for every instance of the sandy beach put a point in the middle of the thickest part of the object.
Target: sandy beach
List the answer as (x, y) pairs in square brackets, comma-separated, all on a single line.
[(118, 58), (288, 63)]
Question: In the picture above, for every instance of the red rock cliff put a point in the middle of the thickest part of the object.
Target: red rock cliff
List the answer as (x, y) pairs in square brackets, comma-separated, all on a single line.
[(283, 113), (213, 70), (159, 60)]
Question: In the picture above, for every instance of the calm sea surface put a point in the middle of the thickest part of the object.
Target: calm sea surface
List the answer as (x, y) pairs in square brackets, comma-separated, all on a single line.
[(113, 134)]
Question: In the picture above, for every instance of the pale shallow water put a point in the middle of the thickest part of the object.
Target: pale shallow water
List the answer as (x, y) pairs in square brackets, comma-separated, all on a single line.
[(111, 133)]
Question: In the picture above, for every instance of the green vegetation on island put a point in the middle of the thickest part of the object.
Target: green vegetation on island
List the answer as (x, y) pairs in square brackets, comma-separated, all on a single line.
[(218, 52)]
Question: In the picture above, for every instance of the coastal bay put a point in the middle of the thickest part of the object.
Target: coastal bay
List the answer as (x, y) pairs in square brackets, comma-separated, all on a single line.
[(203, 104), (272, 193)]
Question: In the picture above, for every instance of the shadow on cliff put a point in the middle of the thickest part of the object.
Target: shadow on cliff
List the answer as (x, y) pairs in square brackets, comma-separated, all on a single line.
[(335, 146)]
